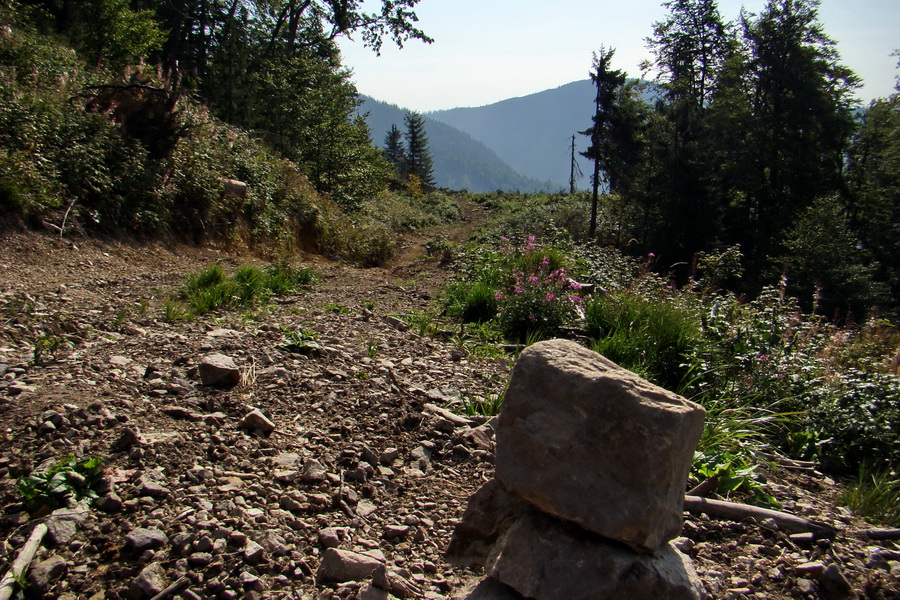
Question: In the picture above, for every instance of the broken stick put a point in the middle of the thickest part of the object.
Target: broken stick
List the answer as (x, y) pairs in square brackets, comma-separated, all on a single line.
[(737, 512), (180, 585), (22, 562)]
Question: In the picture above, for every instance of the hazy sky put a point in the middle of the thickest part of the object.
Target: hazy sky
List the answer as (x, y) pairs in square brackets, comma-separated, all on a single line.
[(485, 51)]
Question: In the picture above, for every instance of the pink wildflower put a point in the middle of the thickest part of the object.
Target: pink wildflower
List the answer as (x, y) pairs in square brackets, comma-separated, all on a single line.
[(550, 297)]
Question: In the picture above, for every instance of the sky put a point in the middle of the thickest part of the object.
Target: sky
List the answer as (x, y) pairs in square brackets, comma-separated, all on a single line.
[(485, 51)]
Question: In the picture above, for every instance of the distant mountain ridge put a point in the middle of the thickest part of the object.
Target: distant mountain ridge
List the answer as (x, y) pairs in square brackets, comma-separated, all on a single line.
[(461, 162), (533, 134), (520, 144)]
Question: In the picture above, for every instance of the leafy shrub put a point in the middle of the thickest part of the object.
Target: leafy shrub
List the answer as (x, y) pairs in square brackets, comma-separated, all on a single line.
[(855, 418), (47, 490), (542, 301), (470, 302), (365, 243), (300, 341)]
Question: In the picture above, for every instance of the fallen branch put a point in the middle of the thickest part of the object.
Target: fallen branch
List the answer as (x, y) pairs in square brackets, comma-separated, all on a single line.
[(179, 585), (706, 487), (880, 534), (22, 562), (452, 417), (734, 511)]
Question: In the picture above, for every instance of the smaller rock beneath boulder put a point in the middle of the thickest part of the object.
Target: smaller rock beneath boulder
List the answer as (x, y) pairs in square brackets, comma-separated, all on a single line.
[(547, 558), (487, 589), (219, 370)]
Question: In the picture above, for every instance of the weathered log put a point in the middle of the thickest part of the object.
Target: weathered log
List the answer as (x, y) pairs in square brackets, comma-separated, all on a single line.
[(880, 534), (721, 509), (22, 562)]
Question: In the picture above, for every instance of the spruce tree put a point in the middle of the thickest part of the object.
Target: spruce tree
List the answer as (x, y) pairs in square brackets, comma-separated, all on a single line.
[(418, 157), (394, 152), (608, 83)]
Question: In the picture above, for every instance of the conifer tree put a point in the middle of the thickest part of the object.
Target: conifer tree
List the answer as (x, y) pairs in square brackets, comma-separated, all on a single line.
[(394, 152), (608, 83), (418, 156)]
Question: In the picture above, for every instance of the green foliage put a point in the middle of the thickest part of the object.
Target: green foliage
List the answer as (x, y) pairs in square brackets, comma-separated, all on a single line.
[(653, 337), (366, 243), (422, 322), (300, 341), (470, 302), (524, 285), (212, 289), (108, 32), (874, 179), (47, 346), (854, 418), (488, 405), (825, 265), (48, 490), (541, 300), (418, 162), (875, 496)]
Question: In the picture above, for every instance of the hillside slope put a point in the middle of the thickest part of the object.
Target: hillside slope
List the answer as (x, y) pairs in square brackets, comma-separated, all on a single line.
[(460, 161), (359, 460)]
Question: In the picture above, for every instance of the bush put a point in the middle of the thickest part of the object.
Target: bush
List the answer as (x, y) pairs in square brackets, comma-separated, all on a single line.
[(655, 338), (854, 418), (211, 289), (470, 302)]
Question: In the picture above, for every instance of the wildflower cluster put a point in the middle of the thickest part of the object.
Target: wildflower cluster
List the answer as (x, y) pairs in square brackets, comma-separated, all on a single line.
[(538, 300)]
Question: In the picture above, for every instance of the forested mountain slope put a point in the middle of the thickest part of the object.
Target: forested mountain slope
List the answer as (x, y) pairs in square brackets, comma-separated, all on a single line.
[(461, 162)]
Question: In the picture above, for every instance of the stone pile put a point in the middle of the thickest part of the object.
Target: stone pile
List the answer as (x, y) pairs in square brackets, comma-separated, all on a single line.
[(591, 466)]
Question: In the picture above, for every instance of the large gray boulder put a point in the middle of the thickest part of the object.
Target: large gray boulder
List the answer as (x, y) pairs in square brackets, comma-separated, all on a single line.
[(587, 441), (544, 558)]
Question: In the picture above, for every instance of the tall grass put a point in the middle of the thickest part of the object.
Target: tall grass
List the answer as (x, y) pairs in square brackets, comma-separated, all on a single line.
[(650, 337), (212, 289), (876, 496)]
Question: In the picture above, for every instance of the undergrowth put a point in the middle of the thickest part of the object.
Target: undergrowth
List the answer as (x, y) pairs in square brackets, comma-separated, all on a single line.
[(212, 289)]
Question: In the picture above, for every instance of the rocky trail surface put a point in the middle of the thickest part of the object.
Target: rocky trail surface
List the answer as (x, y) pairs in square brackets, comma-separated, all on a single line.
[(335, 473)]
